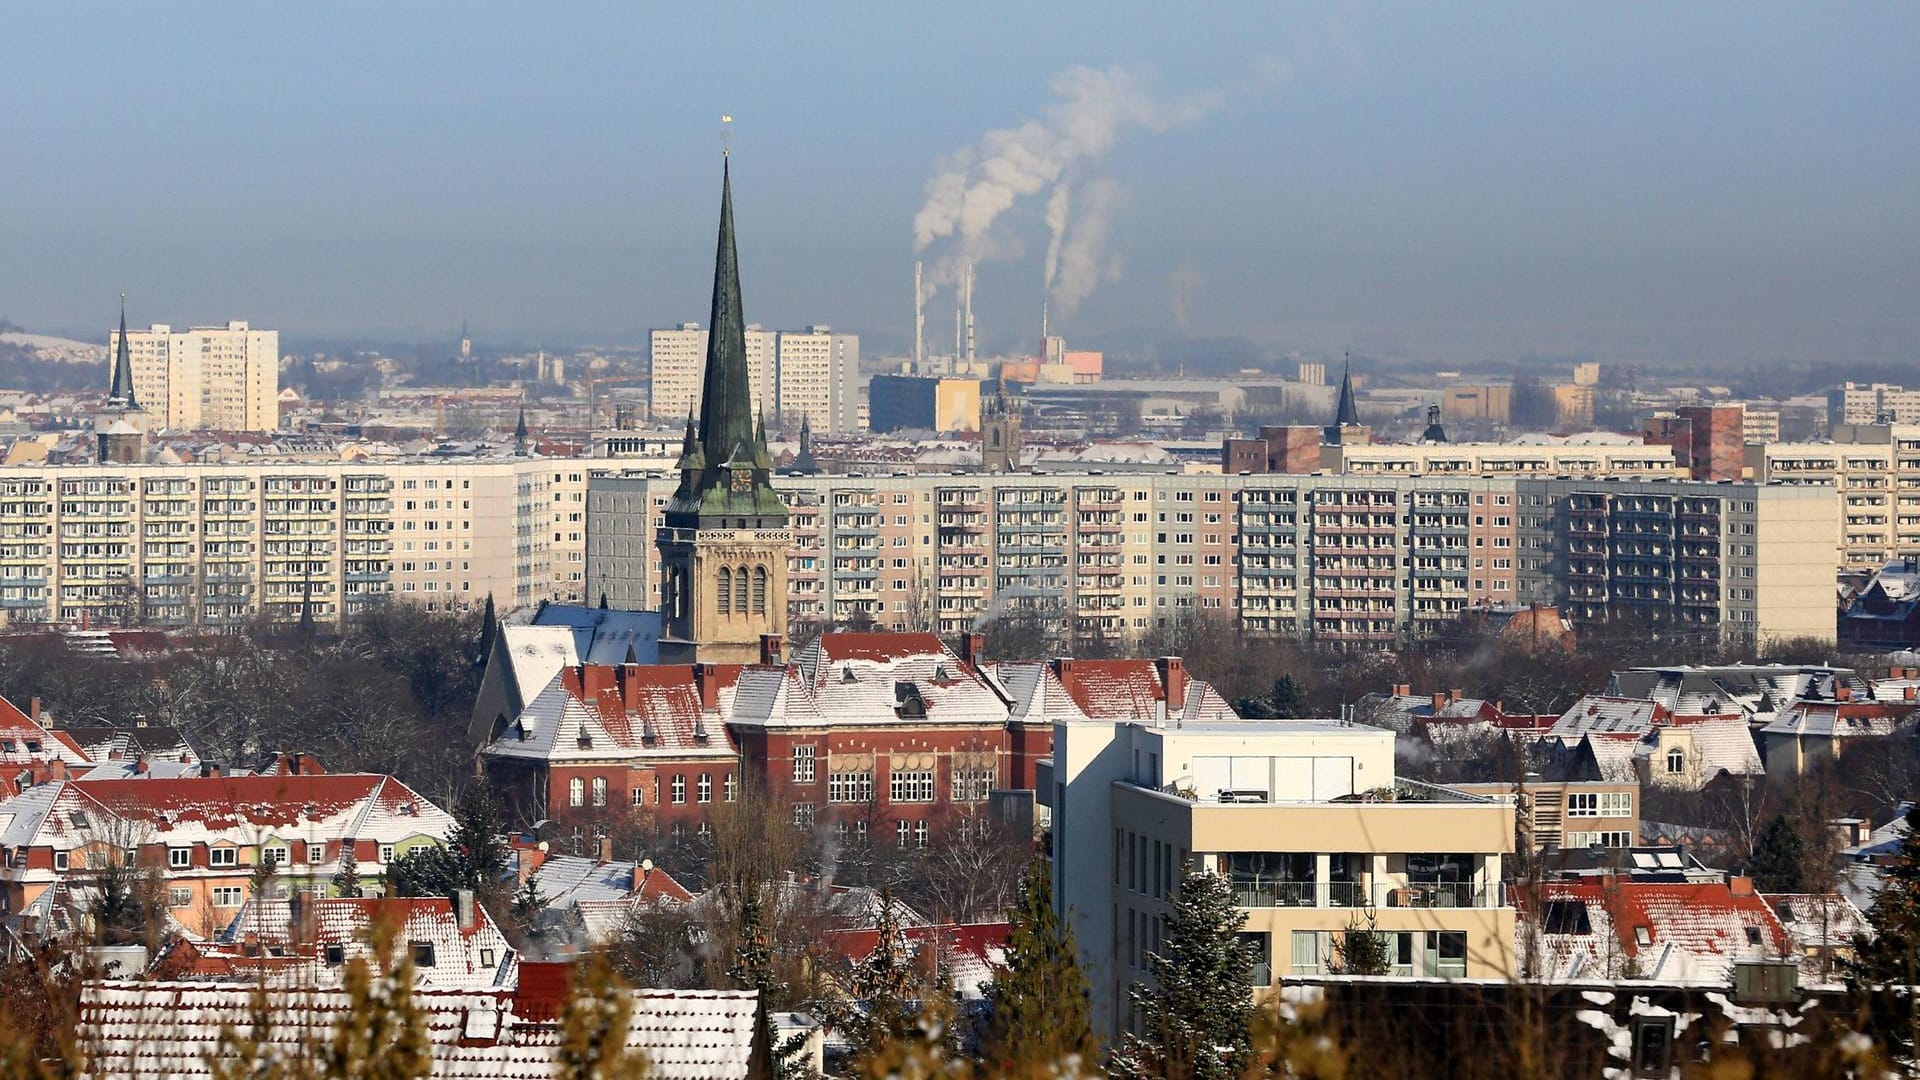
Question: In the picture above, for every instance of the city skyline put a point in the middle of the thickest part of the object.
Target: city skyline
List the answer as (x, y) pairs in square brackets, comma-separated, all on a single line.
[(1393, 179)]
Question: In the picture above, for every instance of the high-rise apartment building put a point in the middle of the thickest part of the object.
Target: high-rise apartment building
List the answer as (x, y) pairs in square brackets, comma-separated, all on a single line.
[(1365, 560), (225, 378), (679, 362), (1872, 403), (1874, 468), (811, 373)]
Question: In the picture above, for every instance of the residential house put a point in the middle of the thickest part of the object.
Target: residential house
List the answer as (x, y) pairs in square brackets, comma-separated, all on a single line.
[(1685, 933), (1825, 927)]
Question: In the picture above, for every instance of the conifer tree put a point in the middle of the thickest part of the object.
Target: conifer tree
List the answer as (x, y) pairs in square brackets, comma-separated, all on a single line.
[(1886, 968), (346, 880), (1360, 948), (1779, 853), (1195, 1015), (1040, 1006)]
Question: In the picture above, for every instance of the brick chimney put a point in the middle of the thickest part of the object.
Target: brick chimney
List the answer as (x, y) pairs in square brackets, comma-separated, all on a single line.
[(1908, 693), (33, 709), (973, 648), (526, 860), (606, 849), (1439, 701), (1453, 695), (464, 908), (1740, 886), (771, 648), (1063, 670), (57, 769), (1402, 689), (707, 682), (140, 765), (1842, 692), (1173, 676)]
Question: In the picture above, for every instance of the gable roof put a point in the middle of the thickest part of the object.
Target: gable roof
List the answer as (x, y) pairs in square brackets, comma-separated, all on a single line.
[(166, 1030), (625, 712), (1683, 932), (605, 635)]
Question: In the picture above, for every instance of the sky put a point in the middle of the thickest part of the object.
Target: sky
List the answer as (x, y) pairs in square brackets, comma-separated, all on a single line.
[(1699, 181)]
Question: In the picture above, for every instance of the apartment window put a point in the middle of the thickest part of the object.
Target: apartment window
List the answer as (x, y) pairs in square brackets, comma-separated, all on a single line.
[(1676, 761), (732, 786), (1306, 952), (639, 798), (223, 856), (386, 854), (920, 833), (59, 860), (178, 896), (911, 786), (278, 855), (803, 815), (316, 853), (179, 858), (599, 791), (576, 792), (679, 790), (803, 764), (227, 896), (902, 830), (703, 788), (972, 785)]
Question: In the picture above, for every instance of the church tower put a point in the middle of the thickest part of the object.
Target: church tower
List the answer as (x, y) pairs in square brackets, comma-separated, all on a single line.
[(1000, 430), (120, 428), (723, 547)]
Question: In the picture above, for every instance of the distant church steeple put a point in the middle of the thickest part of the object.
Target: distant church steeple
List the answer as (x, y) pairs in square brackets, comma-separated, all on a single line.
[(120, 436), (804, 463), (723, 545), (466, 342), (1000, 429), (1347, 428), (520, 441)]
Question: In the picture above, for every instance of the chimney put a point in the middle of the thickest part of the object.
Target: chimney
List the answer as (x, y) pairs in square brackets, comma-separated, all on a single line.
[(463, 908), (33, 709), (1064, 671), (525, 861), (1740, 886), (1842, 692), (1453, 695), (770, 649), (1402, 689), (707, 682), (1439, 701), (973, 648), (606, 849), (1908, 693), (140, 765), (57, 769), (1173, 675)]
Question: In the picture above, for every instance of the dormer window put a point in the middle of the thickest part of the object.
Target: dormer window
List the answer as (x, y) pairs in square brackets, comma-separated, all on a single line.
[(1676, 760), (846, 674), (586, 740), (1642, 936)]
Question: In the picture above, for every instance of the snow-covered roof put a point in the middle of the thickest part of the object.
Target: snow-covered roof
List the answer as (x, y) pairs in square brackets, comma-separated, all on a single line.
[(1836, 719), (169, 1030), (625, 712), (263, 942), (1689, 933)]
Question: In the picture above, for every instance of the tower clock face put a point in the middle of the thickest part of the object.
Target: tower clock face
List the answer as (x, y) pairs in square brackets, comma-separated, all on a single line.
[(742, 480)]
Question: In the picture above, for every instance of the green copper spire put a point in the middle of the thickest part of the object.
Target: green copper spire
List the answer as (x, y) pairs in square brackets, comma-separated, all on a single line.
[(1346, 413), (726, 418), (120, 393)]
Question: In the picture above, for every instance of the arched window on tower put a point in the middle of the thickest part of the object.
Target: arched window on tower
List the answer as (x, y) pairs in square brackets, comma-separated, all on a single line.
[(759, 590), (725, 592), (740, 590)]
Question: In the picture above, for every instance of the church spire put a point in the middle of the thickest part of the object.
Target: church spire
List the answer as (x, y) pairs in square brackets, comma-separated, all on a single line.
[(1347, 414), (520, 433), (726, 418), (120, 393)]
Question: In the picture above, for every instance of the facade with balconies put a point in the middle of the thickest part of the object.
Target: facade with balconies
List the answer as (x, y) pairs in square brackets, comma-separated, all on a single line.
[(1308, 825)]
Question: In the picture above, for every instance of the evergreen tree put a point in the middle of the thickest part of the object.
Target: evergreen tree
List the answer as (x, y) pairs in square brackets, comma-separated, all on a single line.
[(1289, 698), (1197, 1011), (346, 880), (1361, 949), (1779, 852), (1886, 968), (478, 840), (1040, 1005)]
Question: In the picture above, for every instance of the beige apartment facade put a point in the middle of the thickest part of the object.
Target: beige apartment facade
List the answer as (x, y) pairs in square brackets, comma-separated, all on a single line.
[(1598, 458), (220, 545), (224, 378), (1874, 468)]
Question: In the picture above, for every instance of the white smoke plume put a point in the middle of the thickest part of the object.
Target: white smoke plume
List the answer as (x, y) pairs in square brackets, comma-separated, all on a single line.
[(1065, 147)]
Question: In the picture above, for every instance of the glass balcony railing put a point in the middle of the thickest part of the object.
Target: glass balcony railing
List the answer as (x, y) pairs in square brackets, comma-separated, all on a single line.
[(1266, 893)]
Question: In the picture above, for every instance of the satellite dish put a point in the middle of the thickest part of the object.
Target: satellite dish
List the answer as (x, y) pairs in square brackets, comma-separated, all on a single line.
[(646, 865)]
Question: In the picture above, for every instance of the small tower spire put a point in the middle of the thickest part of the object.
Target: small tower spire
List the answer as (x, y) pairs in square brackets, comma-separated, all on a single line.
[(1347, 413), (520, 433), (120, 392)]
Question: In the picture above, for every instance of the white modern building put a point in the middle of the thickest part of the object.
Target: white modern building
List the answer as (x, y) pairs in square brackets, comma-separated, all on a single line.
[(225, 378), (811, 373)]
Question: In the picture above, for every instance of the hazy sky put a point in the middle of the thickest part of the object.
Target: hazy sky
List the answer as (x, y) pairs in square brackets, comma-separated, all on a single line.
[(1697, 178)]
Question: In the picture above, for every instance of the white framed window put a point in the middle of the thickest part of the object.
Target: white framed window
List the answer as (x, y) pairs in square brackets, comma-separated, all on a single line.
[(972, 785), (223, 856), (803, 815), (850, 787), (227, 896), (316, 853), (679, 789), (920, 833), (1676, 760), (599, 791), (277, 854), (576, 792), (179, 896), (703, 788), (179, 858), (803, 764), (638, 798), (732, 786), (59, 860), (911, 786), (386, 854)]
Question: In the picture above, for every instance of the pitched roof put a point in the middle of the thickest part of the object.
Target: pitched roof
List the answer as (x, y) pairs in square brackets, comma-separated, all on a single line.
[(166, 1030), (879, 678), (599, 712), (1687, 933), (604, 635), (1837, 719)]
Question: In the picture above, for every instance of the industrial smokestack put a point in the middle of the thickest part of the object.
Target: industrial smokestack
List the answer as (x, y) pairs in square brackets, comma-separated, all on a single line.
[(1043, 328), (959, 336), (919, 319), (969, 311)]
